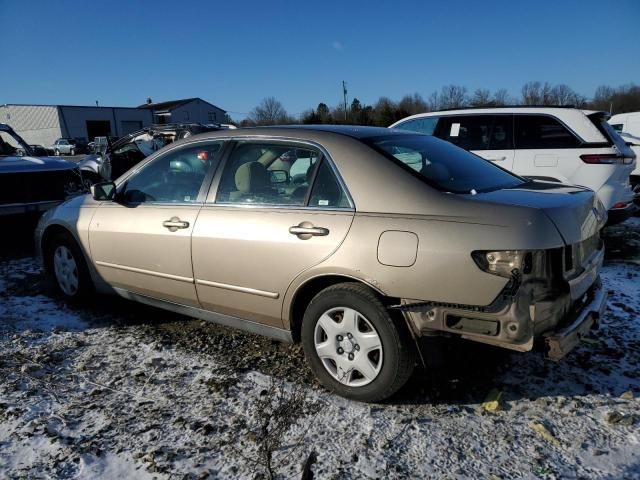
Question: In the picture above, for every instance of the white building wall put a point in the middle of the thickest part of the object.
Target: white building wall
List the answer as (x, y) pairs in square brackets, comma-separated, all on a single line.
[(37, 124)]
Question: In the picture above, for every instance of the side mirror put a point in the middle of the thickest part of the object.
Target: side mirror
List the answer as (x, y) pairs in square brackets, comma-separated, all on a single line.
[(279, 176), (103, 191)]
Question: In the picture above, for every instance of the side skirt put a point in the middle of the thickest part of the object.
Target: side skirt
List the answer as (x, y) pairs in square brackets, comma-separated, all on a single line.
[(221, 319)]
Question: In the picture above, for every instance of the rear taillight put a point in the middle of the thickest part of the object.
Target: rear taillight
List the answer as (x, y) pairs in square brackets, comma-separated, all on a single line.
[(620, 205), (602, 158)]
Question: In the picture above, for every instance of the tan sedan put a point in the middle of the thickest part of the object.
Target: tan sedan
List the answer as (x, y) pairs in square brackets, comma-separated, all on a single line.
[(353, 240)]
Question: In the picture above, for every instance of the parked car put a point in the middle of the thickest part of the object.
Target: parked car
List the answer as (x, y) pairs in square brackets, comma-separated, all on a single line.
[(111, 159), (634, 142), (29, 184), (65, 146), (39, 150), (626, 122), (352, 240), (568, 145)]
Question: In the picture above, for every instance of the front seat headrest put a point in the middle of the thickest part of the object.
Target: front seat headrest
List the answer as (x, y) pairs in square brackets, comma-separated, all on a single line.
[(252, 177)]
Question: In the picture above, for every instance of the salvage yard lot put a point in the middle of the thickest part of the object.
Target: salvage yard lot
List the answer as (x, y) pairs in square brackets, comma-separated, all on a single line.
[(121, 390)]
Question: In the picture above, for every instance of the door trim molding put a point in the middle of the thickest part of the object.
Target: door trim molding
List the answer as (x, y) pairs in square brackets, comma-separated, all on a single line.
[(218, 318), (145, 272), (236, 288)]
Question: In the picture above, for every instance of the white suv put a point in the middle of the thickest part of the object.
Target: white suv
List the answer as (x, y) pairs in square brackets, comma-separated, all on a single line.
[(628, 126), (560, 144)]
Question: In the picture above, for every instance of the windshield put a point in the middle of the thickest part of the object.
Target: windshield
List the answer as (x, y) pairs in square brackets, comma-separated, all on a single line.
[(11, 145), (443, 165)]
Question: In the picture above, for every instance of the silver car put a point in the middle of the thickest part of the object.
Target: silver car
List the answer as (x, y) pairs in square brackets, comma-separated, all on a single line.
[(354, 241)]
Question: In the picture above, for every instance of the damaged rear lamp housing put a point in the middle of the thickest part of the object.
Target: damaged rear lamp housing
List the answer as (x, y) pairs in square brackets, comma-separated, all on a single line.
[(503, 262)]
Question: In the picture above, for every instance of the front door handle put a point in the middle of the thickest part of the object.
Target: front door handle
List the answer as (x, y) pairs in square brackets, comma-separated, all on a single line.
[(497, 159), (306, 230), (174, 223)]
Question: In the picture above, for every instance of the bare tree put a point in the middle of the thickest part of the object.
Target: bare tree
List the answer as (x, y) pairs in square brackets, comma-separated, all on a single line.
[(501, 97), (269, 112), (481, 98), (412, 104), (563, 94), (453, 96)]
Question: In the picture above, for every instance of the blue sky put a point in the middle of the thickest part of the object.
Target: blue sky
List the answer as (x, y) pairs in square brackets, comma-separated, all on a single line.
[(235, 53)]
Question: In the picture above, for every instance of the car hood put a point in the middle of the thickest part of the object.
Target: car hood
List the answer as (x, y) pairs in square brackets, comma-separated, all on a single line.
[(575, 211), (33, 164)]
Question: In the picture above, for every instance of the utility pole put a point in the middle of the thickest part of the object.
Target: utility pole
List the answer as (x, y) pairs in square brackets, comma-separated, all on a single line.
[(344, 96)]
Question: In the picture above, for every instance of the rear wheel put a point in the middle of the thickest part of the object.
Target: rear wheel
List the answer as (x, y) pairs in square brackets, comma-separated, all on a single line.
[(67, 267), (354, 346)]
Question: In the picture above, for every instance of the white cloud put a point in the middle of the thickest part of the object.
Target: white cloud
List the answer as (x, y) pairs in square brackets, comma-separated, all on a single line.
[(337, 45)]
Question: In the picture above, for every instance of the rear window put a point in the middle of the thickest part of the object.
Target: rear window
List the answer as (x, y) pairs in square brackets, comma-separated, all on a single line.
[(442, 165), (542, 131)]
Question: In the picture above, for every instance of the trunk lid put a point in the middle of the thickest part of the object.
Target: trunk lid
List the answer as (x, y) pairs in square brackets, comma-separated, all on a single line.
[(575, 211), (599, 120)]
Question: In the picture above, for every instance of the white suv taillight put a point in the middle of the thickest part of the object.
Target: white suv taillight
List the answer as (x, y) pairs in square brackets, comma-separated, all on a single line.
[(605, 158)]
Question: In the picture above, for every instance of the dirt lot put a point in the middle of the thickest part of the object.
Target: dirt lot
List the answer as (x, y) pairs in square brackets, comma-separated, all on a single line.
[(120, 390)]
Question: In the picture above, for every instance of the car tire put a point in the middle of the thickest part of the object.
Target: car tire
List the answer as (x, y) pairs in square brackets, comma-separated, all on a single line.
[(368, 358), (56, 152), (67, 267), (72, 152)]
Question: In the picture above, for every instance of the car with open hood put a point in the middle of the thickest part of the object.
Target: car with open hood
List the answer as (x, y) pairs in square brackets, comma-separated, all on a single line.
[(110, 159), (30, 184), (354, 241)]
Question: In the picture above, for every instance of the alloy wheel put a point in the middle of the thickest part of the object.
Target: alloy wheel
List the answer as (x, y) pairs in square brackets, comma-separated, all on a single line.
[(66, 270)]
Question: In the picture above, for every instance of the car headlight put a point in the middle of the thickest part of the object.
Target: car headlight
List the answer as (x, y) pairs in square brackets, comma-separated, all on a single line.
[(503, 262)]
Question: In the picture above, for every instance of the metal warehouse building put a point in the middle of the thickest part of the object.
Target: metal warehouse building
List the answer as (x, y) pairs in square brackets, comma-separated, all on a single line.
[(44, 124), (186, 110)]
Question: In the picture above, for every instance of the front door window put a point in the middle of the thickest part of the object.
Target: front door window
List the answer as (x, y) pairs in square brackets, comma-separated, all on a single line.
[(176, 177)]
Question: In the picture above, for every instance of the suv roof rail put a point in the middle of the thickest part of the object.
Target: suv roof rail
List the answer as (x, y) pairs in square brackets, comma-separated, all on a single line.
[(504, 106)]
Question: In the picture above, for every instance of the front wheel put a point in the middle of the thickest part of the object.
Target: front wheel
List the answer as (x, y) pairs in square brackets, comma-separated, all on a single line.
[(56, 152), (354, 346), (68, 268), (72, 152)]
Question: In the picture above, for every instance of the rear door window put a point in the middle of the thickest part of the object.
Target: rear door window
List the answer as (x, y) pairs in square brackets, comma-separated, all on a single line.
[(477, 132), (542, 131), (426, 125)]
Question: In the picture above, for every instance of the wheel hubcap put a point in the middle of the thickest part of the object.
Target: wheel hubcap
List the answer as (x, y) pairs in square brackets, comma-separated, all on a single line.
[(66, 270), (348, 346)]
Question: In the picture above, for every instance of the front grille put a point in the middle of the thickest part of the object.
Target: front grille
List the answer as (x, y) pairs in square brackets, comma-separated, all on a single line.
[(32, 187)]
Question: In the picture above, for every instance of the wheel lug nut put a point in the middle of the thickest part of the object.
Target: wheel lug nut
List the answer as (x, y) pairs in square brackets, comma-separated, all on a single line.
[(357, 347), (339, 337), (349, 335), (340, 350), (351, 356)]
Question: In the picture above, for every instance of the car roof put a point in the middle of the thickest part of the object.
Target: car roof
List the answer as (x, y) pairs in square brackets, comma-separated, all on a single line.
[(353, 131), (575, 118)]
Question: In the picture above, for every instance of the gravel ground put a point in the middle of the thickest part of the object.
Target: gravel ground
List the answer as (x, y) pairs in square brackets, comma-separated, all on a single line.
[(120, 390)]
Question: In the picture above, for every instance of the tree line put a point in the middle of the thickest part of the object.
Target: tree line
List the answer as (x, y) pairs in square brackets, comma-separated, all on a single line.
[(385, 111)]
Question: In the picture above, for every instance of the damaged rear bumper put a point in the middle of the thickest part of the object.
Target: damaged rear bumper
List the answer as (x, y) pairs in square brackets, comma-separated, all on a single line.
[(531, 311), (562, 341)]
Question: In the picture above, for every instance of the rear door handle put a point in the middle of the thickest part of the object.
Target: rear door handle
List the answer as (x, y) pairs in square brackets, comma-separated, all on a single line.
[(496, 159), (174, 223), (306, 230)]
